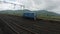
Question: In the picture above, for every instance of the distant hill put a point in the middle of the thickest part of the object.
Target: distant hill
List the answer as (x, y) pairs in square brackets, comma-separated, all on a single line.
[(39, 12), (48, 13)]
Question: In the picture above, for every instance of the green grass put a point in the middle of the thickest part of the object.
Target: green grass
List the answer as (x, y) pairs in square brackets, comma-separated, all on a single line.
[(57, 18)]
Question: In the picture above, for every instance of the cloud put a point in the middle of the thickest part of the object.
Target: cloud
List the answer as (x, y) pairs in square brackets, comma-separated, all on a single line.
[(50, 5), (8, 6)]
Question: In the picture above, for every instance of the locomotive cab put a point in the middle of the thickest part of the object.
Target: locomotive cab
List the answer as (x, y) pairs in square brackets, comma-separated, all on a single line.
[(30, 15)]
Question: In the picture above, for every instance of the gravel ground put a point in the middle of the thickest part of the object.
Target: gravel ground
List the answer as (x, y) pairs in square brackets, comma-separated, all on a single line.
[(37, 26)]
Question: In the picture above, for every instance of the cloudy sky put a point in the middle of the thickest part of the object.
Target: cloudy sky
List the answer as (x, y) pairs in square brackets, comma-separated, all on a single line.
[(50, 5), (8, 5)]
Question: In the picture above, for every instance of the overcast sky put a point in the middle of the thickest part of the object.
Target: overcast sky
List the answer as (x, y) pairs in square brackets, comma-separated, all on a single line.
[(50, 5)]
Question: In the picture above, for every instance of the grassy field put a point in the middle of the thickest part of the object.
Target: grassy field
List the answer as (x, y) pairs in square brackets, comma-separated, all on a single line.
[(56, 18)]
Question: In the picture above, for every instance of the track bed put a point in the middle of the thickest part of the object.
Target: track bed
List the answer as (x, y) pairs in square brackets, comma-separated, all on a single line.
[(19, 25)]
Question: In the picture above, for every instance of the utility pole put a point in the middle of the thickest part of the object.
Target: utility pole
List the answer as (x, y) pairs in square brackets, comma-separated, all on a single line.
[(22, 6)]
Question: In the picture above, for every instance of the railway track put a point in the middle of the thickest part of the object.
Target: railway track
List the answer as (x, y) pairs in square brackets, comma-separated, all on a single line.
[(29, 26), (22, 26), (36, 23), (18, 29), (5, 28)]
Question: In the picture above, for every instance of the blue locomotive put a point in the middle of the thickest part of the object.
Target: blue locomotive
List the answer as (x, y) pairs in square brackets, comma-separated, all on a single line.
[(30, 14)]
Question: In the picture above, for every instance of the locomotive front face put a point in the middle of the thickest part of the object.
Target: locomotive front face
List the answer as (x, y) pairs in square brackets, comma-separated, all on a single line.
[(30, 15)]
